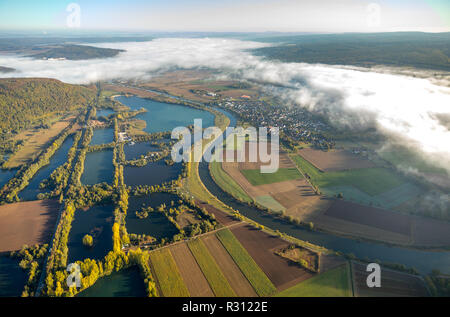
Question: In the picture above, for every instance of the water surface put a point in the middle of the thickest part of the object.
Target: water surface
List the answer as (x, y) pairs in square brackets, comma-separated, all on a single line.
[(102, 136), (98, 168), (12, 277), (125, 283), (162, 116), (156, 224), (96, 221), (151, 174), (60, 157)]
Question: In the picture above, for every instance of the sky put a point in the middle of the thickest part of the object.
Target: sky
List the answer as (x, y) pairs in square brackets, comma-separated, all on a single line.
[(324, 16)]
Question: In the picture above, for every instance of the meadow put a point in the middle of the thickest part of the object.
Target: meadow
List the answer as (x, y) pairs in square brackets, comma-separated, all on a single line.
[(255, 177)]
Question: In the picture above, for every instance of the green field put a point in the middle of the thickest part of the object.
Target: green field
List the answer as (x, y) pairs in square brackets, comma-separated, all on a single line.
[(372, 181), (260, 282), (210, 269), (269, 202), (333, 283), (227, 183), (166, 271), (255, 177)]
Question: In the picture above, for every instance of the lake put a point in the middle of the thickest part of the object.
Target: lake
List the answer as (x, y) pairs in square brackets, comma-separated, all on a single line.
[(162, 116), (133, 152), (151, 174), (102, 136), (12, 277), (60, 157), (125, 283), (156, 224), (98, 168), (5, 176), (98, 219), (104, 112)]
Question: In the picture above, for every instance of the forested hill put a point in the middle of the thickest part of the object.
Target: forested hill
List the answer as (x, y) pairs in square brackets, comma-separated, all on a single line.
[(410, 49), (25, 102)]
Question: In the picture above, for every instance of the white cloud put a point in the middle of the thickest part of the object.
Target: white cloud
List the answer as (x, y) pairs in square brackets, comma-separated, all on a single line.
[(400, 106)]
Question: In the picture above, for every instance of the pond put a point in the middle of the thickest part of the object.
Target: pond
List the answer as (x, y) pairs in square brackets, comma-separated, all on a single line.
[(104, 112), (5, 176), (125, 283), (156, 224), (12, 277), (96, 221), (133, 152), (162, 116), (151, 174), (102, 136), (60, 157), (98, 168)]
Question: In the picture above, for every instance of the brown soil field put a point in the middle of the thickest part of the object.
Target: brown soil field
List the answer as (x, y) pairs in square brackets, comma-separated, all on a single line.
[(192, 276), (34, 142), (229, 268), (430, 232), (27, 223), (370, 216), (329, 261), (337, 160), (301, 202), (261, 247), (221, 217), (393, 283)]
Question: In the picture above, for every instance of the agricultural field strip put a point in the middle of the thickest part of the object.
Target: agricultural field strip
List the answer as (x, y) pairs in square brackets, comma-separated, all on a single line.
[(260, 282), (169, 278), (210, 269), (230, 269), (191, 273)]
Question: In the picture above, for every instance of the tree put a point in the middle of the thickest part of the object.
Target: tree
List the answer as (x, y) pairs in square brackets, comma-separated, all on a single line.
[(88, 241)]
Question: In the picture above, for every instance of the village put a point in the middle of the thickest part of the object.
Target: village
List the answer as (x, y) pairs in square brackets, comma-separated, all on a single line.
[(294, 122)]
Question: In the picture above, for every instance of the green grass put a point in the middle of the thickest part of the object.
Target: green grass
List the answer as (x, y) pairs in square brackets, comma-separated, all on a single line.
[(255, 177), (372, 181), (260, 282), (166, 271), (210, 269), (227, 183), (333, 283), (269, 202)]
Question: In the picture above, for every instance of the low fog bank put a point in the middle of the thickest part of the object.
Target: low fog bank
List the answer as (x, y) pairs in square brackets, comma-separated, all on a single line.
[(409, 110)]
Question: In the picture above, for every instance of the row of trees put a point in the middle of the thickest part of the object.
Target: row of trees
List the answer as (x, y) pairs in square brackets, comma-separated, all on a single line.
[(31, 259)]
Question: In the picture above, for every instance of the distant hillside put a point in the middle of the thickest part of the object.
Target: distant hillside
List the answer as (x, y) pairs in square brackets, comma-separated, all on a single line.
[(77, 52), (27, 102), (6, 69), (410, 49)]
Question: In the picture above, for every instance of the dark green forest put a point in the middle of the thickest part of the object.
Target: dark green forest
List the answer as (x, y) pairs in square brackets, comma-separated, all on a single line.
[(406, 49), (25, 102)]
